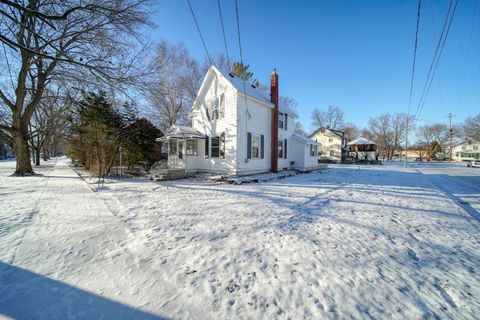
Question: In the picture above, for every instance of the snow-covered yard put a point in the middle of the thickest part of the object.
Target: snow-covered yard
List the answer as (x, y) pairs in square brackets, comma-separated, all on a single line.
[(373, 243)]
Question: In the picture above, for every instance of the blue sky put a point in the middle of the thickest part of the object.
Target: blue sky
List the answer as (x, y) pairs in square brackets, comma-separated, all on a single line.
[(355, 54)]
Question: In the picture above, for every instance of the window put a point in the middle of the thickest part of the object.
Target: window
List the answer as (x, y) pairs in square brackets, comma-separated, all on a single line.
[(464, 147), (207, 146), (217, 106), (280, 120), (255, 147), (280, 148), (330, 139), (475, 147), (222, 145), (332, 153), (215, 150), (192, 147), (180, 150), (313, 150)]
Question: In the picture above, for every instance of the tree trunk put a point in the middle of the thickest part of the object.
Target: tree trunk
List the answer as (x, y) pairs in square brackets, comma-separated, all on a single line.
[(37, 156), (22, 154), (45, 153)]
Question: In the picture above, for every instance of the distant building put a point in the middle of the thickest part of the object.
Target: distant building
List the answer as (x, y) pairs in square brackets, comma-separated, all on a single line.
[(333, 142), (467, 150), (362, 149)]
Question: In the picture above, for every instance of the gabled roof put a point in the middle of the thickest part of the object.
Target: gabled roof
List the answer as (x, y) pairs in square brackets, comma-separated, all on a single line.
[(339, 133), (251, 91), (360, 141), (304, 139)]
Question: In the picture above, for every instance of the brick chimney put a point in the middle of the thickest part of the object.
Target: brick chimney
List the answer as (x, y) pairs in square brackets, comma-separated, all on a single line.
[(274, 99)]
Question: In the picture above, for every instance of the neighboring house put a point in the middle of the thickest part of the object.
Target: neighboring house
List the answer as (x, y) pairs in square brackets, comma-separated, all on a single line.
[(334, 143), (468, 149), (239, 134), (362, 149)]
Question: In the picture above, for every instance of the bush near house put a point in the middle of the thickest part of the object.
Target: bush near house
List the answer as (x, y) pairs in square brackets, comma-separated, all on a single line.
[(99, 132)]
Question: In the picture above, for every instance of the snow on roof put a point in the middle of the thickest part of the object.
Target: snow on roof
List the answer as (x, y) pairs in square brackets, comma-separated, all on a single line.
[(181, 132), (253, 91), (304, 139), (360, 141)]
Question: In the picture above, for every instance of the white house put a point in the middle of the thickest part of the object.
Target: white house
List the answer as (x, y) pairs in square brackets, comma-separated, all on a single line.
[(333, 142), (237, 133), (467, 150)]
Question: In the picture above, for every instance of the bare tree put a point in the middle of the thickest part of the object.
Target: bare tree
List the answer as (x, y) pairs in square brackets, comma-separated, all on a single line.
[(332, 118), (388, 131), (432, 138), (69, 39), (48, 120), (351, 131), (174, 88), (471, 127)]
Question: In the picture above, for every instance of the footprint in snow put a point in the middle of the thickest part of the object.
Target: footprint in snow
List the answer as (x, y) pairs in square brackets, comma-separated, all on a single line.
[(412, 254)]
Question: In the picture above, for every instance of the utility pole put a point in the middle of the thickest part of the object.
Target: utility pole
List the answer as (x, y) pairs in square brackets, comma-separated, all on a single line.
[(405, 162), (450, 116)]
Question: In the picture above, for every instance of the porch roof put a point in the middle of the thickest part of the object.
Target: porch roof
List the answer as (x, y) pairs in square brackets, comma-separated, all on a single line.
[(181, 132)]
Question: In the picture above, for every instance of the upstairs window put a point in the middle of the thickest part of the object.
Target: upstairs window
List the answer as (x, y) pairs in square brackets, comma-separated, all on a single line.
[(280, 120), (330, 139), (217, 107)]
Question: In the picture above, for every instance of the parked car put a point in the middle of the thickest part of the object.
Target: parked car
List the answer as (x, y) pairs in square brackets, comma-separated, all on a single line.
[(473, 164)]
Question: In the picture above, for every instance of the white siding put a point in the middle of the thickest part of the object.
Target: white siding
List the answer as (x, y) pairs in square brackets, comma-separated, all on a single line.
[(258, 122), (287, 134), (301, 156), (217, 86)]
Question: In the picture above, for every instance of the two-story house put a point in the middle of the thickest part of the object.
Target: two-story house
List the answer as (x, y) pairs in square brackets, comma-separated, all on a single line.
[(334, 143), (239, 129), (467, 150)]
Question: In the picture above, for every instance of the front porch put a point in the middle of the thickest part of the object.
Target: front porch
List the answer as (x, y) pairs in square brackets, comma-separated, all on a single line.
[(180, 141)]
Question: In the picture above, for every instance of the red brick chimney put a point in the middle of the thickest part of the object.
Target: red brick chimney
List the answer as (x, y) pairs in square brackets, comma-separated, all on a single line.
[(274, 99)]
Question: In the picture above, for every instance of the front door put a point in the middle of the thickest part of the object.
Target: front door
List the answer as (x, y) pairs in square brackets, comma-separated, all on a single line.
[(176, 155)]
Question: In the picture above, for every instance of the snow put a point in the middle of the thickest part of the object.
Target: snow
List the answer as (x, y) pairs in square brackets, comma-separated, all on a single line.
[(350, 242), (304, 139), (253, 91)]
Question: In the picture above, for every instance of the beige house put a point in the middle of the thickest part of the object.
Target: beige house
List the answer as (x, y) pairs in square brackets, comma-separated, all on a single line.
[(333, 142)]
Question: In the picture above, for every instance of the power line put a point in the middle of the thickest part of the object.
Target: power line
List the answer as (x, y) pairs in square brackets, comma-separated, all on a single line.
[(241, 55), (436, 57), (412, 79), (241, 61), (223, 31), (199, 32), (414, 56), (468, 54)]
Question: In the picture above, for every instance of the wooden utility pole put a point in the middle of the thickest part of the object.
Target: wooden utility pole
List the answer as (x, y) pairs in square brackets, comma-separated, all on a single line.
[(405, 163), (450, 131)]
